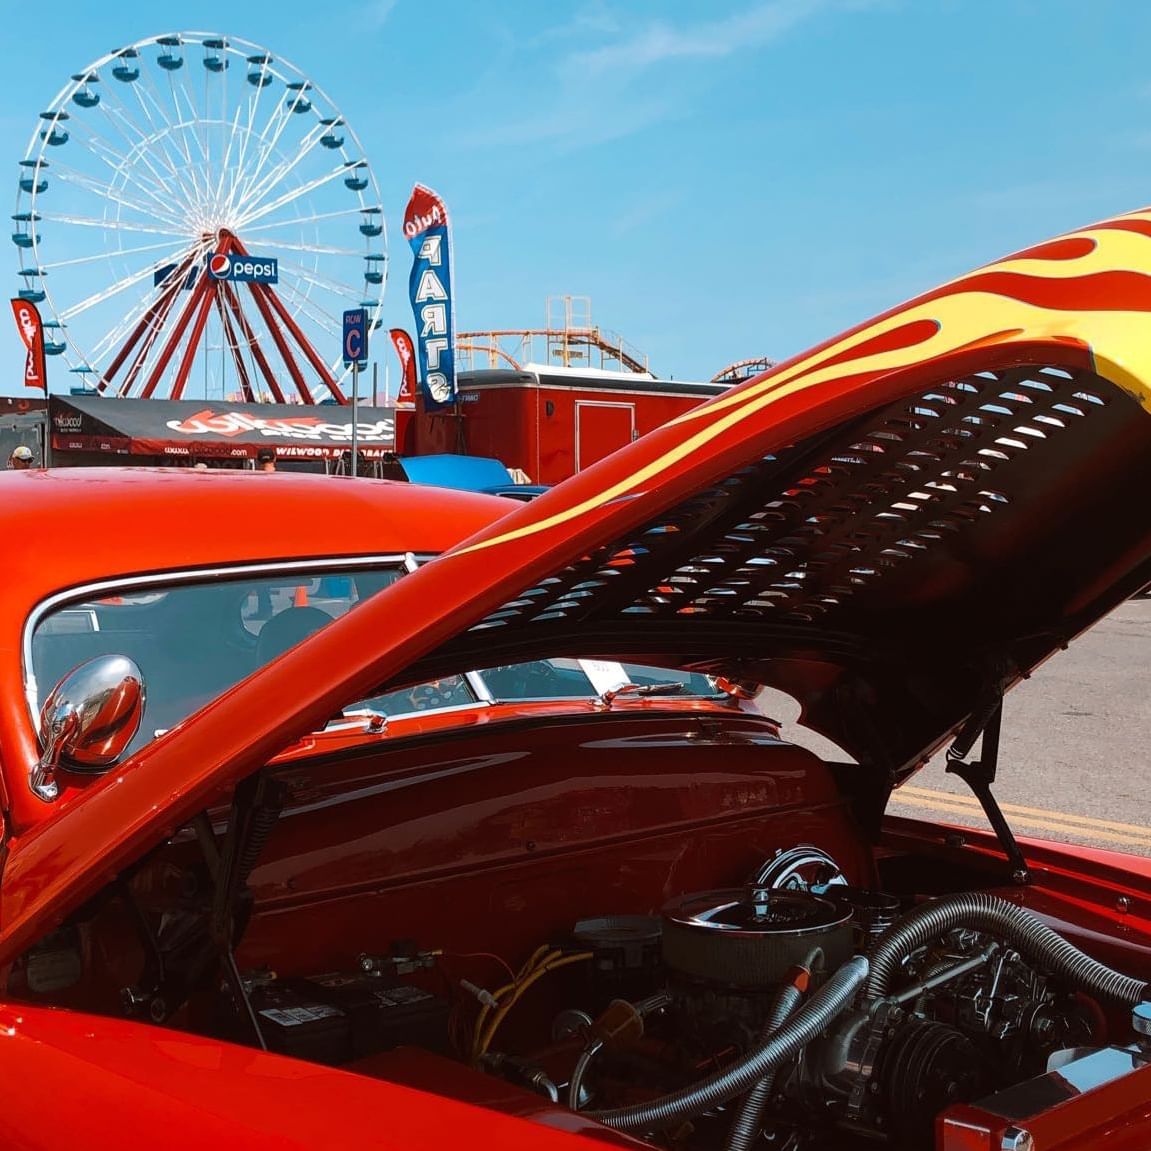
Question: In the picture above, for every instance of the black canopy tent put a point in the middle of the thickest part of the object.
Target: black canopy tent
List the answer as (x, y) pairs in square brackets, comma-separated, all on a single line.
[(89, 430)]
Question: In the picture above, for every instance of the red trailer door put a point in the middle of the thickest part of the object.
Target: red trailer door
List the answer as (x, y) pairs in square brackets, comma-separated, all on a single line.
[(600, 429)]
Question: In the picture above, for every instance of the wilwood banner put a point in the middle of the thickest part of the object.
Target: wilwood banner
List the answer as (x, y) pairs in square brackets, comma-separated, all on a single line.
[(206, 428), (430, 286), (32, 333)]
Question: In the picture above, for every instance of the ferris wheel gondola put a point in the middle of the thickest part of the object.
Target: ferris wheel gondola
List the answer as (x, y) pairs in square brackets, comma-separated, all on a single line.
[(193, 215)]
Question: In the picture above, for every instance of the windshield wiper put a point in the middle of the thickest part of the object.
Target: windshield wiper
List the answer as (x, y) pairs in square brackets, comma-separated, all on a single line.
[(607, 698), (372, 721)]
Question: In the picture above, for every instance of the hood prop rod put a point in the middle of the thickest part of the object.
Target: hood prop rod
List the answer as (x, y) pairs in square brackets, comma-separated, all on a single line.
[(255, 808), (979, 775)]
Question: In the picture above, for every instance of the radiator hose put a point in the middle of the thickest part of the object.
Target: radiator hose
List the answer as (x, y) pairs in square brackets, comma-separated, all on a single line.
[(747, 1120), (831, 1000), (1015, 926)]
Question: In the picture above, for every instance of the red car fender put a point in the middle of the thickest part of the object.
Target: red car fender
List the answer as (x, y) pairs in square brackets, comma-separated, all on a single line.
[(109, 1084)]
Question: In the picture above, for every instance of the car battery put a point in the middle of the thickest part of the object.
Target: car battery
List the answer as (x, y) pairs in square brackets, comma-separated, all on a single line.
[(383, 1013), (295, 1021)]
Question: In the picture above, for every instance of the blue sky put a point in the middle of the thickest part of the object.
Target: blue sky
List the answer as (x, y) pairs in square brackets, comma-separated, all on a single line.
[(725, 179)]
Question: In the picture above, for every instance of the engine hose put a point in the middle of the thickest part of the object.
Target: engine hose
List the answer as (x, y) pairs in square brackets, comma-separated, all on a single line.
[(747, 1120), (833, 998), (1015, 926), (595, 1045), (579, 1072)]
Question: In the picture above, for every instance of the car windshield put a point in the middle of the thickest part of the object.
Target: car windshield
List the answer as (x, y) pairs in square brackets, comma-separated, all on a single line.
[(541, 679), (193, 638)]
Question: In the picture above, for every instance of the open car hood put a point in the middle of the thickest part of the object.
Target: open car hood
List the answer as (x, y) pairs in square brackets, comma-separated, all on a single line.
[(888, 527)]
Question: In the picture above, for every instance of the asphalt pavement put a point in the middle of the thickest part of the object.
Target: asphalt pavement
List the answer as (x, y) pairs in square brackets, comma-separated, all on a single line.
[(1073, 763)]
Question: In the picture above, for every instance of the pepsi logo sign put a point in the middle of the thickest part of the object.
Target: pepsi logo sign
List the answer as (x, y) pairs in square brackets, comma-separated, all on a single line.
[(246, 269)]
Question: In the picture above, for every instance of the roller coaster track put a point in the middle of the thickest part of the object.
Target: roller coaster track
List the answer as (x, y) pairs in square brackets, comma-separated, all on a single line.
[(567, 347)]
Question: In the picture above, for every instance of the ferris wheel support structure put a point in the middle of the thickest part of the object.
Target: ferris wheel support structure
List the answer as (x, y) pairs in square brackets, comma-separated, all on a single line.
[(221, 296)]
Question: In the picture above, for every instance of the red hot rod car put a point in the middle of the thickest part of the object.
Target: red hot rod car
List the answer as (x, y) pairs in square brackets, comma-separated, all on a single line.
[(340, 813)]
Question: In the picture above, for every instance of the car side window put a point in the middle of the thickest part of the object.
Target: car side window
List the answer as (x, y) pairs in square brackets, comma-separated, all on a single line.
[(193, 639)]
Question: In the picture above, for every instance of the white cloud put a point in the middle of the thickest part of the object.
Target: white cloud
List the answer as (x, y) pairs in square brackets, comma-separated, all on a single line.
[(378, 11), (643, 211), (632, 77), (595, 18), (660, 43)]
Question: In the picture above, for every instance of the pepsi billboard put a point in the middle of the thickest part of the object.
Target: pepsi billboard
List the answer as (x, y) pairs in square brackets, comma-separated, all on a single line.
[(243, 269)]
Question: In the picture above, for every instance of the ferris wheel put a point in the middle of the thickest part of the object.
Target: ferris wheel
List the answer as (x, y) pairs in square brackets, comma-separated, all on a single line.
[(193, 217)]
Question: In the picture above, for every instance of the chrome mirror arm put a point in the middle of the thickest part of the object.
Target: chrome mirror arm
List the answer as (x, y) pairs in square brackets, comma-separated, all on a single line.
[(60, 732)]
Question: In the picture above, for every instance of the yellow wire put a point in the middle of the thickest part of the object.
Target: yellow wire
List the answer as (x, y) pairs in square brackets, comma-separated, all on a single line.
[(553, 963), (544, 951), (541, 955)]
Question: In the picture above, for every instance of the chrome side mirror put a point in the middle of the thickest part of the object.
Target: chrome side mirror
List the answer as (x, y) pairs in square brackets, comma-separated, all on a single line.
[(89, 719)]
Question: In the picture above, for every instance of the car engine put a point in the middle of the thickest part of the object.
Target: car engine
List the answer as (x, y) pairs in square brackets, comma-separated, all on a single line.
[(794, 1011), (789, 1016), (968, 1014)]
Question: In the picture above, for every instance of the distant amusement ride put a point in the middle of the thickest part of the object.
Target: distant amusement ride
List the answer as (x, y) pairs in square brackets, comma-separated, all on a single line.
[(193, 217)]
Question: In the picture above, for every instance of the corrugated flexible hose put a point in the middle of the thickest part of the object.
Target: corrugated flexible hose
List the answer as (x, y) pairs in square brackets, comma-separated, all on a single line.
[(833, 998), (747, 1120), (1015, 926)]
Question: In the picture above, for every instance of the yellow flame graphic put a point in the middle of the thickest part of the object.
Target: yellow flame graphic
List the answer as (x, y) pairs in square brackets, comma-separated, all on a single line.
[(963, 313)]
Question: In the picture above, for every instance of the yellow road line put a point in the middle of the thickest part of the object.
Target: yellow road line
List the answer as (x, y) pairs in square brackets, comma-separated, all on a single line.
[(1019, 809), (949, 807)]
